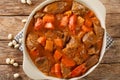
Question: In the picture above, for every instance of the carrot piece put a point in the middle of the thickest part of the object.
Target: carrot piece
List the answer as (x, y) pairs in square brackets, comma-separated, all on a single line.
[(86, 29), (57, 55), (49, 45), (67, 62), (48, 18), (34, 53), (42, 40), (53, 70), (49, 25), (95, 20), (80, 21), (58, 70), (68, 13), (72, 23), (88, 23), (64, 21), (38, 24), (89, 14), (79, 70), (58, 42)]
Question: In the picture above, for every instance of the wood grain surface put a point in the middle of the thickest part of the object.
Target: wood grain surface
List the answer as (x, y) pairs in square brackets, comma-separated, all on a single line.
[(11, 14)]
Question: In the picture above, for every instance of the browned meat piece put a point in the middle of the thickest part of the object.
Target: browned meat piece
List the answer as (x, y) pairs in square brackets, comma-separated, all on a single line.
[(71, 47), (49, 45), (84, 55), (92, 61), (80, 35), (98, 46), (78, 59), (89, 39), (73, 43), (41, 62), (31, 41), (59, 34), (81, 55), (39, 15), (65, 71), (66, 39), (91, 51), (50, 34), (99, 31), (79, 9), (57, 7)]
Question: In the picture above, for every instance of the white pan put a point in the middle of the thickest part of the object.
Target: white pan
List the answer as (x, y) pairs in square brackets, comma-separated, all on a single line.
[(28, 66)]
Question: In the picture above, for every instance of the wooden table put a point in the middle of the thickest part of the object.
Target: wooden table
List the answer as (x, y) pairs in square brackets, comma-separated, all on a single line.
[(11, 14)]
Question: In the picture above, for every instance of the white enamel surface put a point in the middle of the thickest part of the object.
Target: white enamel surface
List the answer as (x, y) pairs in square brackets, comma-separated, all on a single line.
[(31, 70)]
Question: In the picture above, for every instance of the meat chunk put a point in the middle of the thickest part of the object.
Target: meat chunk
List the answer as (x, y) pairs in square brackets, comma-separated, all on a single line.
[(39, 15), (50, 34), (41, 62), (78, 59), (49, 45), (73, 43), (65, 71), (99, 31), (59, 34), (81, 55), (80, 35), (79, 9), (71, 47), (66, 38), (89, 39), (92, 61), (56, 7), (91, 51), (31, 41)]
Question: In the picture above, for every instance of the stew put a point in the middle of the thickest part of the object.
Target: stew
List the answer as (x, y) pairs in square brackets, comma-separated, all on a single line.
[(64, 39)]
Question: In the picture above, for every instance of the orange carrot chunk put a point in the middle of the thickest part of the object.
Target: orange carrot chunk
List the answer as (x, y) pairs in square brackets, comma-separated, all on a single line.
[(53, 70), (38, 24), (58, 42), (79, 70), (42, 40), (67, 62), (89, 14), (64, 21), (48, 18), (58, 70), (88, 23), (57, 55), (86, 29), (72, 23), (34, 53)]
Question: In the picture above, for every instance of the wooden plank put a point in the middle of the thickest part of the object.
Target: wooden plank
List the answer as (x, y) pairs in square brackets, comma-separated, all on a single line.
[(110, 1), (14, 7), (105, 72), (111, 56), (7, 52), (10, 24), (102, 72), (113, 24), (7, 72), (13, 24)]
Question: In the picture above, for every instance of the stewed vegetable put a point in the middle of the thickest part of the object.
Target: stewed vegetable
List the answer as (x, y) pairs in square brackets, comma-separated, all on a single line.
[(64, 39)]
